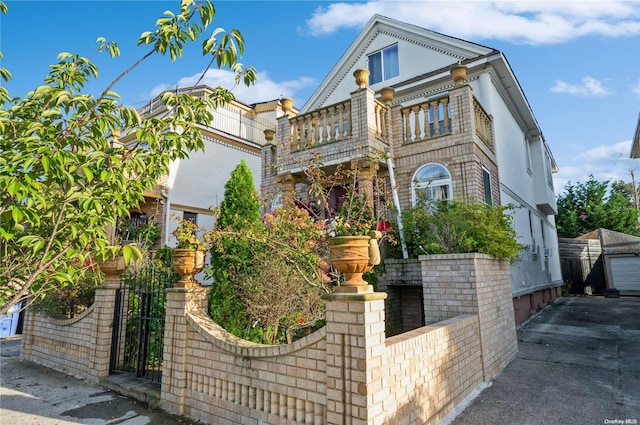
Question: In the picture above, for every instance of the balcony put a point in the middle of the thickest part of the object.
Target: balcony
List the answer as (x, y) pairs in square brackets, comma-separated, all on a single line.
[(362, 125), (336, 133)]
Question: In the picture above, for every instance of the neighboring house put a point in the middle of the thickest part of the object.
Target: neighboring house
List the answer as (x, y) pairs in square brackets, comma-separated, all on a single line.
[(196, 185), (473, 137)]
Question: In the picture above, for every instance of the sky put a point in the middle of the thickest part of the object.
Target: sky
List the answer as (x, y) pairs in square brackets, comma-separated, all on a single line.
[(578, 62)]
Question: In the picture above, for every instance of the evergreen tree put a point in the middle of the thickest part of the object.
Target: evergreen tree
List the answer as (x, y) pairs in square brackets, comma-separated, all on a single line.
[(591, 205), (239, 210)]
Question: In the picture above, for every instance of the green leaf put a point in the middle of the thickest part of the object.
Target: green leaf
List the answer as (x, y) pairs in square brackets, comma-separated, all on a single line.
[(87, 172)]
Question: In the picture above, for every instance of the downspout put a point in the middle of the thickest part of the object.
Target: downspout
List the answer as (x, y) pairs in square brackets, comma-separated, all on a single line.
[(167, 213), (396, 202)]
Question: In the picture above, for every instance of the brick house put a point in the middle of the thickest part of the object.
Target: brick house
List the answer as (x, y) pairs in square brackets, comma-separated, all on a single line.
[(456, 124)]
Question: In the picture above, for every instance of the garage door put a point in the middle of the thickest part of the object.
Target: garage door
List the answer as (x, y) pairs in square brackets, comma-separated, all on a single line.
[(625, 273)]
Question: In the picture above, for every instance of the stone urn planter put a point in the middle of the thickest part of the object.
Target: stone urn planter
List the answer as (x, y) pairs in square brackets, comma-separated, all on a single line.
[(187, 263), (287, 104), (362, 77), (353, 256), (113, 269), (459, 73)]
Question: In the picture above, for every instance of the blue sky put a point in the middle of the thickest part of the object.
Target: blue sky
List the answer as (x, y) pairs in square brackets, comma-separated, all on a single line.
[(578, 62)]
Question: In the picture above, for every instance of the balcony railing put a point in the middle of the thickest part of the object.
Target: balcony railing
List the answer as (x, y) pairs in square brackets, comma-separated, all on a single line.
[(326, 125), (231, 119), (426, 120), (483, 125)]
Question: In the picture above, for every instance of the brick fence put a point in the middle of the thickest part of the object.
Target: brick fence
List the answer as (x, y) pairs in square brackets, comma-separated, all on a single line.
[(79, 346), (348, 372)]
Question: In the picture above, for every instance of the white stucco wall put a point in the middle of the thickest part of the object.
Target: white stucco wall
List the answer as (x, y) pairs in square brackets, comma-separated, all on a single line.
[(197, 184), (517, 179)]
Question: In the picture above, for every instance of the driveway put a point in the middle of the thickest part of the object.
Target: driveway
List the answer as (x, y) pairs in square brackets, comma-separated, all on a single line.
[(578, 363)]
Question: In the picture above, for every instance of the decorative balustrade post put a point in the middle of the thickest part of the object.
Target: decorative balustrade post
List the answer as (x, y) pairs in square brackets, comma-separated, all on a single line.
[(445, 109), (436, 118), (324, 122)]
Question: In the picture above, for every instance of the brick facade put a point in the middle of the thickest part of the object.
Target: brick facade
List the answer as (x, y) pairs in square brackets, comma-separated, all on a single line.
[(79, 346), (347, 372)]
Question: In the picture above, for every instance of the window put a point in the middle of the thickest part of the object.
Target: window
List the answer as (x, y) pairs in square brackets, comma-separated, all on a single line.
[(486, 181), (383, 65), (432, 182), (192, 217)]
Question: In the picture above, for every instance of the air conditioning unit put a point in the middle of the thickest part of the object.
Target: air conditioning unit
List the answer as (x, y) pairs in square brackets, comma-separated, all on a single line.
[(548, 252)]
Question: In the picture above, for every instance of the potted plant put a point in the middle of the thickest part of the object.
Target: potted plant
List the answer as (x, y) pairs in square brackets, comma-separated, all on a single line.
[(188, 255), (353, 242)]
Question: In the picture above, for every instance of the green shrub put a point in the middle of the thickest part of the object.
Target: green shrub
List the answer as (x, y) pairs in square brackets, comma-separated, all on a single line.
[(72, 299), (446, 227)]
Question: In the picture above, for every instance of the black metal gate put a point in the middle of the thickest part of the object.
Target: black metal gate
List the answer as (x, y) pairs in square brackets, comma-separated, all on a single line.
[(138, 322)]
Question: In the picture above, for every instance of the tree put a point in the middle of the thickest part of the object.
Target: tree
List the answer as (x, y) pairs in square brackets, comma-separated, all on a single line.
[(64, 179), (592, 205), (239, 211)]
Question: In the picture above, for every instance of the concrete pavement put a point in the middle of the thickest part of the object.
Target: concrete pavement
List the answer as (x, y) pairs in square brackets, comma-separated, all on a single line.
[(31, 394), (578, 364)]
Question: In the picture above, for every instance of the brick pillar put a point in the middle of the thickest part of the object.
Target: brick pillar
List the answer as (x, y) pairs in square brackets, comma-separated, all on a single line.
[(174, 360), (356, 359), (366, 176), (103, 308), (288, 183)]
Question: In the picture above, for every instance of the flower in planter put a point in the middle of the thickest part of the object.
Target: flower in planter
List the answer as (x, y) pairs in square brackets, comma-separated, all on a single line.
[(354, 217), (186, 235)]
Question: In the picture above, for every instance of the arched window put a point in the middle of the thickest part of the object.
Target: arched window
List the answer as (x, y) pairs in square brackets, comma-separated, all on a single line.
[(432, 182)]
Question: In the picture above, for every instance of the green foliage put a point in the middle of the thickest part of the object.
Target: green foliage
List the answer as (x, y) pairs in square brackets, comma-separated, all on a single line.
[(281, 282), (164, 256), (456, 227), (143, 234), (187, 235), (64, 183), (588, 206), (354, 217), (240, 205), (239, 211), (72, 299)]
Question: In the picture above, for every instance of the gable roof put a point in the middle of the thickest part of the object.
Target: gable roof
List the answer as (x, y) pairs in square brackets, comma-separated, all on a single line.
[(468, 53), (459, 50), (613, 242)]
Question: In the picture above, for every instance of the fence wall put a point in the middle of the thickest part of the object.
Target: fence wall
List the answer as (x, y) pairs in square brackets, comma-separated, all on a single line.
[(79, 346), (349, 372)]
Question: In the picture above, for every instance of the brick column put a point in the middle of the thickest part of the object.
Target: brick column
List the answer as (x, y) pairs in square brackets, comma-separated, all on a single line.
[(356, 359), (174, 360), (103, 309)]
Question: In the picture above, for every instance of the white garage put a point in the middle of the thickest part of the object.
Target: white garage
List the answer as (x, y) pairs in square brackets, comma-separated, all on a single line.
[(621, 254), (625, 273)]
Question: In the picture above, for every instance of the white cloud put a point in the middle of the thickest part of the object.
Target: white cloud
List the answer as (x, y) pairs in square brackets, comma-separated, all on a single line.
[(604, 162), (588, 87), (264, 89), (635, 89), (529, 22)]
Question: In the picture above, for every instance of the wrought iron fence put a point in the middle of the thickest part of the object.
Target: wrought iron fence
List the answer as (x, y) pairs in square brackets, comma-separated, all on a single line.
[(138, 325)]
